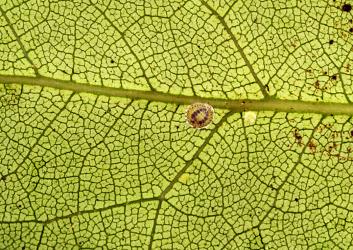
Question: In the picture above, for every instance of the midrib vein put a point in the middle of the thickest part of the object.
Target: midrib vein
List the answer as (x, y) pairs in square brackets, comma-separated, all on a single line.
[(238, 105)]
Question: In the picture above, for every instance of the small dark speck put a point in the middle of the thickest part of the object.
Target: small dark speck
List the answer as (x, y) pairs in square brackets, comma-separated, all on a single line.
[(331, 41), (177, 126), (325, 72), (296, 199), (267, 88), (112, 61), (19, 206), (3, 177), (23, 248), (352, 133), (334, 77), (346, 7), (351, 30)]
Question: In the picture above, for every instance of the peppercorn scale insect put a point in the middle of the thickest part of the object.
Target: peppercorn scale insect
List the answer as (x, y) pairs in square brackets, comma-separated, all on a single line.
[(199, 115)]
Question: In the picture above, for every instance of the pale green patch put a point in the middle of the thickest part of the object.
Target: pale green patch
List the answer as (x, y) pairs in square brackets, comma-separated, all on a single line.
[(249, 117)]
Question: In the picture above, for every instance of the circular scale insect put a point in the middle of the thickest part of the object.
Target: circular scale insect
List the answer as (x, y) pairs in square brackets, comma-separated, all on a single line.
[(199, 115)]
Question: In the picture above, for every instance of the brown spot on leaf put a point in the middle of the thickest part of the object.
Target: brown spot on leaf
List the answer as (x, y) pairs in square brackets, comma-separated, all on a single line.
[(334, 134), (267, 88), (346, 7), (332, 147), (317, 85), (347, 66), (312, 146), (297, 136)]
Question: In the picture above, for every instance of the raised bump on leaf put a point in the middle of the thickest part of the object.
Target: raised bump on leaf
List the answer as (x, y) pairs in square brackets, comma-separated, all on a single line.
[(199, 115), (249, 117)]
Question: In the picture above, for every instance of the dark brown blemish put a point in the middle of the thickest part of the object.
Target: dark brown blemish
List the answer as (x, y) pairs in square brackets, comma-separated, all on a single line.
[(347, 67), (334, 77), (312, 146), (331, 41), (332, 147), (346, 7), (317, 84), (297, 136), (351, 30)]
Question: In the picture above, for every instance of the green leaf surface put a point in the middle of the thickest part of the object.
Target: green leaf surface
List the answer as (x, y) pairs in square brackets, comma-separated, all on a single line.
[(95, 150)]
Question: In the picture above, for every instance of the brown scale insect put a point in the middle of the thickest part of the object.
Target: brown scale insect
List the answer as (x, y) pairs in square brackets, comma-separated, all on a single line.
[(199, 115)]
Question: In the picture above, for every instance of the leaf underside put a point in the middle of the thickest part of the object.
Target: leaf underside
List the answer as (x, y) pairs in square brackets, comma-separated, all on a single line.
[(95, 151)]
